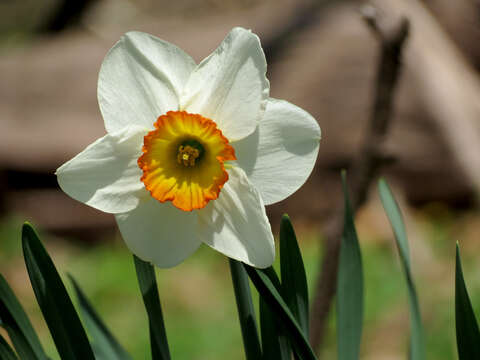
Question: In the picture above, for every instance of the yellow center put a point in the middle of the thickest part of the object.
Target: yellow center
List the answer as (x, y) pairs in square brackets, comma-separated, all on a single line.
[(183, 160)]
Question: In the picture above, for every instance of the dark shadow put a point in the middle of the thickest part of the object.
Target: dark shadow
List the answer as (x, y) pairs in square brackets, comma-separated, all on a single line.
[(67, 14)]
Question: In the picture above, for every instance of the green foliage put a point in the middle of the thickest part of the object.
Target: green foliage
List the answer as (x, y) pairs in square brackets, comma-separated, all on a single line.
[(468, 335), (349, 288), (283, 304), (269, 291), (275, 343), (57, 308), (246, 312), (104, 345), (293, 290), (6, 352), (18, 326), (417, 346), (294, 279), (148, 287), (65, 327)]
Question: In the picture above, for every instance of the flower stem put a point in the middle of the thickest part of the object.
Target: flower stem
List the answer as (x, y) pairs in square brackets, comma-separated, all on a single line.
[(246, 312)]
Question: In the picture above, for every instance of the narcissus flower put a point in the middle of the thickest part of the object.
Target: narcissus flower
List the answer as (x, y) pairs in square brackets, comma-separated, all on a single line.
[(193, 153)]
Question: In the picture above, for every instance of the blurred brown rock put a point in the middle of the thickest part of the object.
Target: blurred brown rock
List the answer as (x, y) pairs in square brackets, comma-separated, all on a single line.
[(49, 112)]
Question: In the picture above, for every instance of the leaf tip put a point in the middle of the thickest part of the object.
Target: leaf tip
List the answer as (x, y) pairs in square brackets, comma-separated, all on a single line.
[(27, 227), (28, 232), (382, 182)]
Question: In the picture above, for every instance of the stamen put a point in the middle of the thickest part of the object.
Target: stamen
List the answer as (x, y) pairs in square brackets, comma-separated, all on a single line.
[(187, 155)]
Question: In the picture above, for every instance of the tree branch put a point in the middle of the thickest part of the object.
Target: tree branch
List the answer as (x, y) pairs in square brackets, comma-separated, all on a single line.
[(365, 168)]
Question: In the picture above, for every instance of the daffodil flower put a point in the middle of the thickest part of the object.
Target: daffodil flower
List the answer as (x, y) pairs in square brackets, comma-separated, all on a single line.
[(193, 153)]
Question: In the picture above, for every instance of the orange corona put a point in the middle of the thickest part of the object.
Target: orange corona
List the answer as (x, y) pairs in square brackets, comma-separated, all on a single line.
[(183, 160)]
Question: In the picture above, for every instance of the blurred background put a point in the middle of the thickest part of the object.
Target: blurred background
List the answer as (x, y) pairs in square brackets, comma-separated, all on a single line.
[(323, 58)]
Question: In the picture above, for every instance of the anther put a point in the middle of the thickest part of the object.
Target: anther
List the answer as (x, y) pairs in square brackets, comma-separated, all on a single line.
[(187, 155)]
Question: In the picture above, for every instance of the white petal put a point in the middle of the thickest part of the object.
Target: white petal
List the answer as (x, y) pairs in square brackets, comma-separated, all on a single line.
[(236, 223), (230, 86), (140, 79), (105, 175), (280, 155), (159, 232)]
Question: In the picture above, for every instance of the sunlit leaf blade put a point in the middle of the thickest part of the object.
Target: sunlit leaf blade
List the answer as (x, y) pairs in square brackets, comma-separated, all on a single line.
[(52, 297), (294, 279), (148, 287), (417, 346), (6, 352), (17, 325), (468, 335), (105, 346), (272, 275), (349, 288), (272, 297), (246, 312), (275, 344)]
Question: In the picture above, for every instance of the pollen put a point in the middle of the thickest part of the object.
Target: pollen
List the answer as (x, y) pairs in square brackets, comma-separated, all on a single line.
[(187, 155), (183, 160)]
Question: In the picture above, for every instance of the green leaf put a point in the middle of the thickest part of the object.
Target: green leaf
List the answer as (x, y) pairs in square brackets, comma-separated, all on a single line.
[(468, 335), (294, 279), (105, 346), (17, 325), (148, 287), (417, 346), (275, 344), (349, 288), (57, 308), (246, 312), (6, 352), (272, 297)]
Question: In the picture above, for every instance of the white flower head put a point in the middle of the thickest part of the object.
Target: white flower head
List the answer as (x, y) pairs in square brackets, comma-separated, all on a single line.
[(193, 153)]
